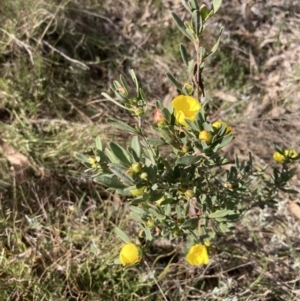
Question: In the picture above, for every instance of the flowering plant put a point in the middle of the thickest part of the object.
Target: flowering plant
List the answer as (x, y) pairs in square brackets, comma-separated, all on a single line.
[(184, 192)]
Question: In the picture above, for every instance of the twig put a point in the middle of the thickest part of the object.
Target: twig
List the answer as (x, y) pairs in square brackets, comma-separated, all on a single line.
[(159, 287)]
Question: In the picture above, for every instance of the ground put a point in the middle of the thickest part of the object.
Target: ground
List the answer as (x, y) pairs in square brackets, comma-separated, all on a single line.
[(56, 239)]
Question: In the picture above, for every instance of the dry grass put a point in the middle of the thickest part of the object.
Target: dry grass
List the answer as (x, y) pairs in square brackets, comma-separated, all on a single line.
[(55, 223)]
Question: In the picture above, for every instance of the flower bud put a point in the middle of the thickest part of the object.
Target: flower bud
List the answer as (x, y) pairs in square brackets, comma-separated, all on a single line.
[(122, 91), (185, 149), (136, 167), (93, 162), (150, 223), (144, 176), (129, 171), (158, 117), (218, 124), (204, 12), (188, 88), (138, 111), (205, 136), (189, 194), (138, 192)]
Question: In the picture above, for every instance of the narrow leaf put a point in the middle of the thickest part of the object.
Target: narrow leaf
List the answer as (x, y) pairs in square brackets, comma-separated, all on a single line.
[(221, 213), (174, 81), (186, 6), (197, 22), (184, 54), (181, 26), (121, 173), (109, 181), (122, 235), (216, 46), (81, 157), (134, 79), (114, 101), (187, 160), (124, 82), (120, 153), (135, 144), (216, 5), (121, 125), (98, 143)]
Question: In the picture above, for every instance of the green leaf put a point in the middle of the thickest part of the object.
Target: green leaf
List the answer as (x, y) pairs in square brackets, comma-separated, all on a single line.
[(197, 22), (167, 210), (181, 26), (135, 216), (170, 201), (178, 211), (151, 172), (135, 144), (221, 213), (159, 105), (184, 54), (174, 81), (110, 181), (81, 157), (143, 95), (98, 143), (202, 52), (216, 5), (117, 84), (292, 191), (134, 79), (156, 141), (205, 13), (121, 192), (111, 156), (187, 160), (191, 223), (118, 170), (194, 5), (124, 82), (138, 210), (191, 67), (120, 153), (148, 234), (117, 261), (216, 46), (114, 101), (167, 115), (121, 125), (193, 125), (122, 235), (186, 6)]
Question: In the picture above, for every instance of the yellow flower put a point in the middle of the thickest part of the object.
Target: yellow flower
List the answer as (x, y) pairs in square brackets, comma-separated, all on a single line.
[(185, 107), (205, 136), (217, 124), (130, 254), (138, 192), (93, 162), (288, 154), (197, 255), (278, 157)]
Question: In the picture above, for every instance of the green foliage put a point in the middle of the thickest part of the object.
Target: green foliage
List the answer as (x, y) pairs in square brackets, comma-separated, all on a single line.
[(183, 192)]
